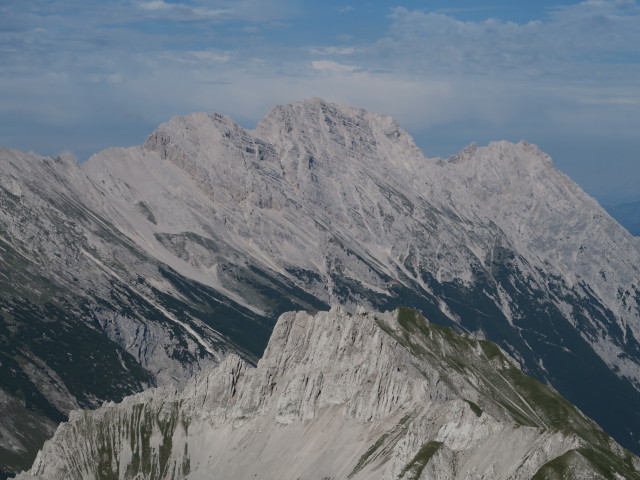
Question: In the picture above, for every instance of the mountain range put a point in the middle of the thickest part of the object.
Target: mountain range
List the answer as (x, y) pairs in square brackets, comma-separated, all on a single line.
[(145, 265)]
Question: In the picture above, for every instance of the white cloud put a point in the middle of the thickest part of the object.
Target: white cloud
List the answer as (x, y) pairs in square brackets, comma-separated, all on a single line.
[(187, 61), (572, 73), (333, 51), (567, 44), (106, 78), (154, 5), (211, 56), (329, 66), (181, 11), (217, 10)]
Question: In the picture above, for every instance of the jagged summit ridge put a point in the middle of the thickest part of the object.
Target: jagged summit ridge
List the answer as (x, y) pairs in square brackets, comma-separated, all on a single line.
[(173, 254), (339, 133), (323, 189), (339, 395)]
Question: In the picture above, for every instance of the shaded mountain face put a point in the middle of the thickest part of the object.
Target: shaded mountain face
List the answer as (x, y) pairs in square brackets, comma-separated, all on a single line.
[(341, 395), (87, 315), (167, 257), (628, 214)]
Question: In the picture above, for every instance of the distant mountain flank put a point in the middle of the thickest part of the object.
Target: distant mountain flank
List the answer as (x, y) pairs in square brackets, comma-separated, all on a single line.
[(143, 266), (628, 214)]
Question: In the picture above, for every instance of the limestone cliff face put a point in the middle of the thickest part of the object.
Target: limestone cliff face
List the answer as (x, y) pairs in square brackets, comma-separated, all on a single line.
[(340, 395), (339, 202), (167, 257)]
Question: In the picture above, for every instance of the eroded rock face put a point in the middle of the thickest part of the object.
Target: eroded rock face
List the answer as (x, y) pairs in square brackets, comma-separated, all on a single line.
[(169, 256), (341, 395), (340, 203)]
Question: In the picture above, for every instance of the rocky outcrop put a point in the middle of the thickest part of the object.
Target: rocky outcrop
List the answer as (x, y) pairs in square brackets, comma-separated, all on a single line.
[(169, 256), (86, 316), (341, 395), (339, 202)]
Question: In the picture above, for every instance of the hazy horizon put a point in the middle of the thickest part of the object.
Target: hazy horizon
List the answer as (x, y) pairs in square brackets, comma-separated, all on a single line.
[(84, 76)]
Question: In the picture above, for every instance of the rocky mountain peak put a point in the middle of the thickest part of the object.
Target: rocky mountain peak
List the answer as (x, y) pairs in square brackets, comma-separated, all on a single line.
[(339, 133), (341, 395), (172, 255), (194, 137)]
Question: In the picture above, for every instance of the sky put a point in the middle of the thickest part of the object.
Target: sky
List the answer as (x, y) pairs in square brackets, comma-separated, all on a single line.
[(79, 76)]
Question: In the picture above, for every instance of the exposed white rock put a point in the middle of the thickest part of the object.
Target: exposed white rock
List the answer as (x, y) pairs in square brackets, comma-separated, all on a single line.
[(336, 395), (339, 191), (324, 204)]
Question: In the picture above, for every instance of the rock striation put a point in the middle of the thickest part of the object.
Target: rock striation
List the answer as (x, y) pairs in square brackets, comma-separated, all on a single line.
[(341, 203), (343, 396), (170, 256)]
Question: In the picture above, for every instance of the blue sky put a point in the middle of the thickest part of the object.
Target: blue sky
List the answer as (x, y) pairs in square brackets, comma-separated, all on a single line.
[(82, 75)]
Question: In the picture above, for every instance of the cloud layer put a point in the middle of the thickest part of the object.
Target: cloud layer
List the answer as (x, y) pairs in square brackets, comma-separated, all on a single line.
[(82, 75)]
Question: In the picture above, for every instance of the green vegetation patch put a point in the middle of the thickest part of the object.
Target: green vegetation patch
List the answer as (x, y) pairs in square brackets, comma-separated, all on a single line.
[(366, 456), (608, 465), (525, 399), (476, 409), (414, 468), (145, 210), (576, 463), (553, 409), (409, 319), (377, 449)]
